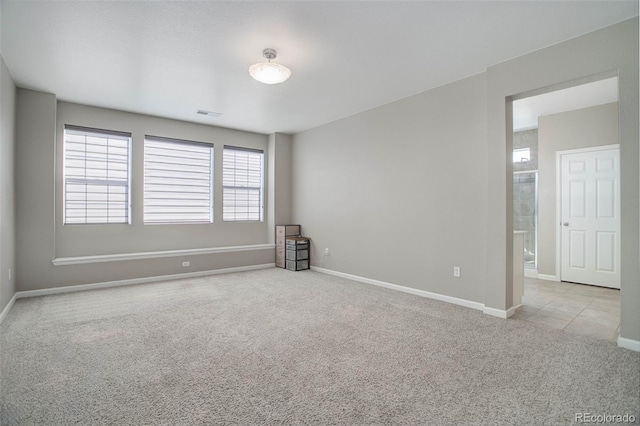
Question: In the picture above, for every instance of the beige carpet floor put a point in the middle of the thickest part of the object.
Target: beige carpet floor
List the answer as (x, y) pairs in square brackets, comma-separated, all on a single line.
[(277, 347)]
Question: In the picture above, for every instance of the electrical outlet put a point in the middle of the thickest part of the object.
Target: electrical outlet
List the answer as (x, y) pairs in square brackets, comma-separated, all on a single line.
[(326, 252), (186, 264), (456, 271)]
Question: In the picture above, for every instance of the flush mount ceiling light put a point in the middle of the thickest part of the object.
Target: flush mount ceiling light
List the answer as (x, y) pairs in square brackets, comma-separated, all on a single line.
[(269, 72)]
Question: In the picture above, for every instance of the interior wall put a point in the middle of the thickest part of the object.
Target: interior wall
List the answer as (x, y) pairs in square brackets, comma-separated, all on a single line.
[(80, 240), (395, 199), (603, 53), (282, 214), (279, 186), (7, 186), (581, 128), (398, 193), (44, 237)]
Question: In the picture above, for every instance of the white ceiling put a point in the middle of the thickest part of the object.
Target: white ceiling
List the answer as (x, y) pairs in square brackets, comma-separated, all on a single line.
[(173, 58), (526, 111)]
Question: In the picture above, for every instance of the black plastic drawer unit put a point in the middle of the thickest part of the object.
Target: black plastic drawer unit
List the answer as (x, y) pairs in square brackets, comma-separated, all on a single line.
[(298, 253)]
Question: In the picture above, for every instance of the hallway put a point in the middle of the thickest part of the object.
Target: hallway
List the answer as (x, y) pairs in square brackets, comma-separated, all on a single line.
[(576, 308)]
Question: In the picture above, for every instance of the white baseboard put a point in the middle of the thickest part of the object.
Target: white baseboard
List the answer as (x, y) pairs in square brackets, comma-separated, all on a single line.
[(6, 309), (548, 277), (415, 291), (500, 313), (633, 345), (441, 297), (530, 273), (83, 287)]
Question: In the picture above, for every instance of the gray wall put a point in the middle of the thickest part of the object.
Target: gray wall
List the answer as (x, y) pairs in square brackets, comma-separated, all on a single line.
[(7, 188), (43, 236), (600, 54), (398, 193), (279, 190), (557, 132), (403, 192)]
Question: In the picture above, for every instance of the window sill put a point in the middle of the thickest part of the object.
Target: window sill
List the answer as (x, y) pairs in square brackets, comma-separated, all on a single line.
[(61, 261)]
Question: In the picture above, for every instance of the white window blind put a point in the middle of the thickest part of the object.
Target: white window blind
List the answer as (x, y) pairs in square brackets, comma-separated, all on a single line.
[(178, 181), (96, 176), (242, 184)]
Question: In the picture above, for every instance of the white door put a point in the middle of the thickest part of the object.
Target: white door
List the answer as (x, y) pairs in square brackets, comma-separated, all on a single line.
[(590, 216)]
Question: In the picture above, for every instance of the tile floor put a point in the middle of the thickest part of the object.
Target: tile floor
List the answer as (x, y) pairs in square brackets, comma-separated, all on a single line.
[(575, 308)]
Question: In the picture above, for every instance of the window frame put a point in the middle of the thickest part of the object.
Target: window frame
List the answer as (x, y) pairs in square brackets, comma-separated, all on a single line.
[(162, 139), (524, 159), (65, 179), (235, 187)]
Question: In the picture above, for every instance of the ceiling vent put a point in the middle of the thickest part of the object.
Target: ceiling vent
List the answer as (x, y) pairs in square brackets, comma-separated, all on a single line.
[(209, 113)]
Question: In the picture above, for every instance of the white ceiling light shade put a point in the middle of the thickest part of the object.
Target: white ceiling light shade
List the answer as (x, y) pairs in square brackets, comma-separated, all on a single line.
[(269, 72)]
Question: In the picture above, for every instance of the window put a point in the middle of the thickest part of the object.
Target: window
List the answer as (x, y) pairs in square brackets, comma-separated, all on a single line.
[(522, 155), (178, 181), (242, 184), (96, 176)]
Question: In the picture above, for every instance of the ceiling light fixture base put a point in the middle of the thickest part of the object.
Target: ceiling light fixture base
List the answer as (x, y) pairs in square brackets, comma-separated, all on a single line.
[(269, 54)]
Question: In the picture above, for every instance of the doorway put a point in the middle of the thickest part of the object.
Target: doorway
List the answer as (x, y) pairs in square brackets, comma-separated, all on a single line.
[(580, 118)]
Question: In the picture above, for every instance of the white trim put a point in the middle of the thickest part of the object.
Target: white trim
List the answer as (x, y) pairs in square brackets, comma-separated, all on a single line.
[(6, 309), (559, 154), (548, 277), (530, 273), (630, 344), (558, 217), (500, 313), (441, 297), (157, 254), (108, 284), (589, 149)]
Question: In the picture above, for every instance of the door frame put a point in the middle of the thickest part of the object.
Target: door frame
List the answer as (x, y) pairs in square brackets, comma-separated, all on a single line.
[(559, 155)]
